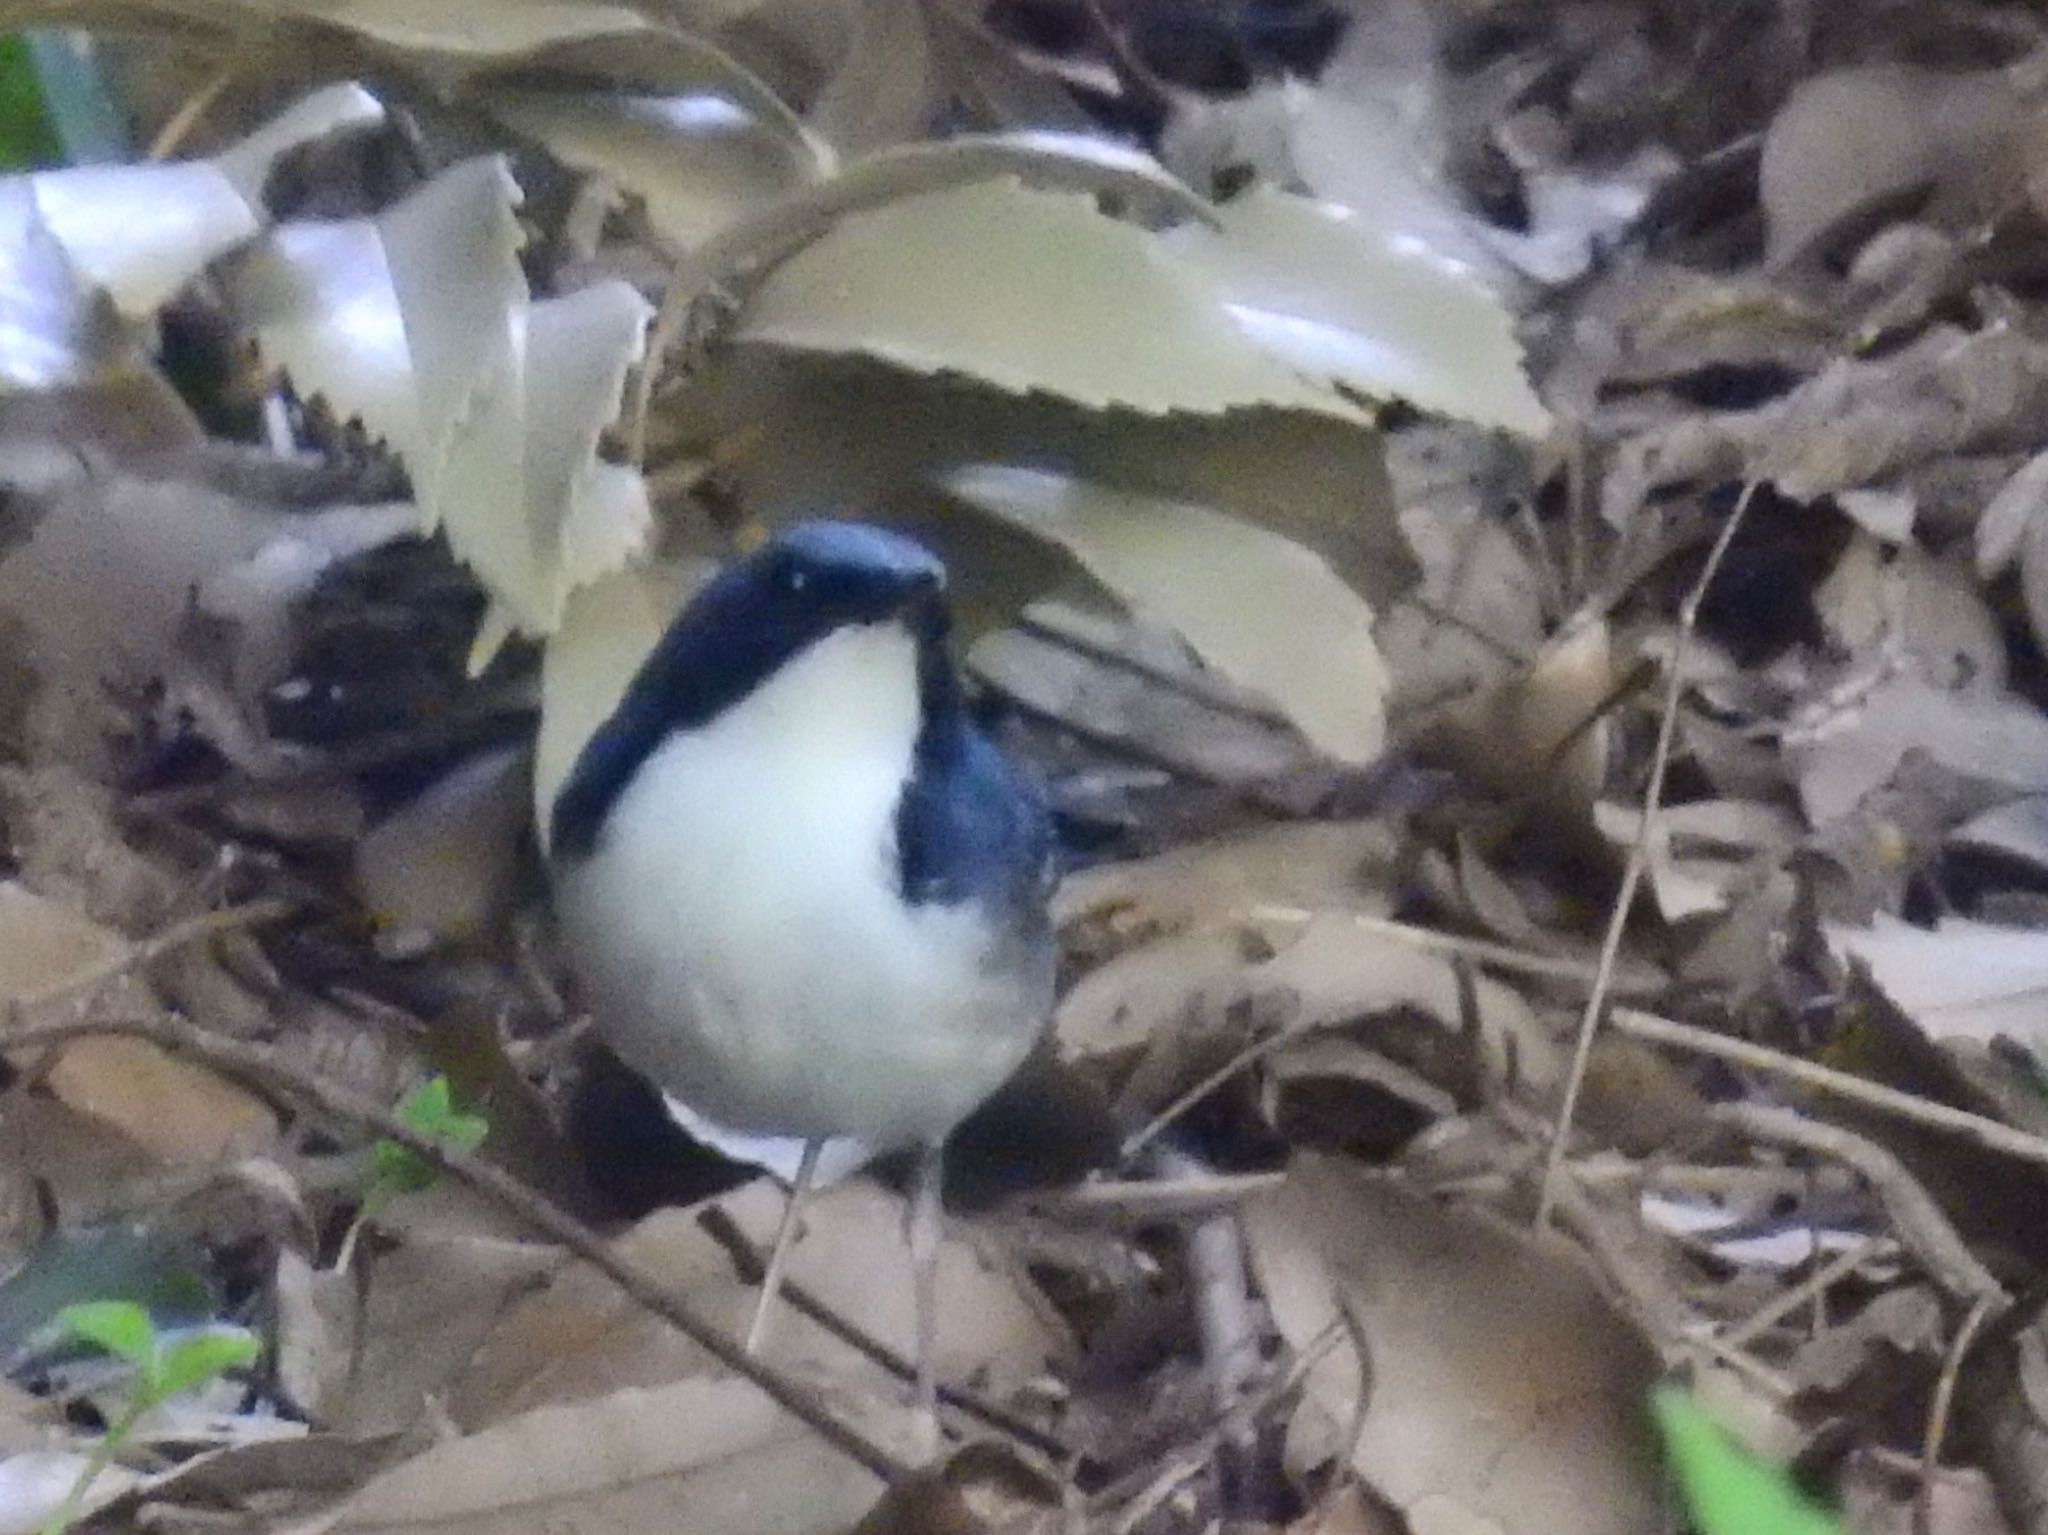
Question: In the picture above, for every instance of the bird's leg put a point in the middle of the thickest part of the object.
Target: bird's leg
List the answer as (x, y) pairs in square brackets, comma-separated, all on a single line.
[(785, 1238), (927, 1223)]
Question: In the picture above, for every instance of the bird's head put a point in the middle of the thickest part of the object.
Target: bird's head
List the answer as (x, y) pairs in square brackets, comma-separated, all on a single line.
[(757, 616), (814, 577)]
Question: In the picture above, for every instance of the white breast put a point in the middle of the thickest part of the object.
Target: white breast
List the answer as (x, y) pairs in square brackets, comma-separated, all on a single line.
[(739, 929)]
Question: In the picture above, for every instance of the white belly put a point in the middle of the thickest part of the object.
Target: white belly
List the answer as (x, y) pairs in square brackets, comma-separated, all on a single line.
[(739, 931)]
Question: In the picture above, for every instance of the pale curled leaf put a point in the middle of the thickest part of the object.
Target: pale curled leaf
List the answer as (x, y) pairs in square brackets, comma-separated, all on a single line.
[(885, 89), (1850, 138), (418, 321), (1027, 291), (1264, 611), (1328, 291), (485, 29)]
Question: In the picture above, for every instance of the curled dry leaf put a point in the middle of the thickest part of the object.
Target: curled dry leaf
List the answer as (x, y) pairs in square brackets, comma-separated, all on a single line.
[(1860, 421), (1702, 854), (418, 322), (444, 866), (1541, 734), (1842, 753), (1506, 1394), (2015, 526), (579, 1338), (1849, 139), (1341, 865), (1265, 612), (884, 89)]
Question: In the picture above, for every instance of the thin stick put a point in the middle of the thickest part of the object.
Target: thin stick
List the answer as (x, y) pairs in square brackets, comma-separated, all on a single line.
[(240, 1057), (80, 985), (1487, 952), (1988, 1134), (193, 108), (1818, 1283), (1258, 1049), (1938, 1413), (1638, 860)]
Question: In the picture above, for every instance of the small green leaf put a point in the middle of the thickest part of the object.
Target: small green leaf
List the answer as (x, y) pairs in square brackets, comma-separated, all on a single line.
[(429, 1109), (28, 139), (1728, 1490), (195, 1360), (120, 1327)]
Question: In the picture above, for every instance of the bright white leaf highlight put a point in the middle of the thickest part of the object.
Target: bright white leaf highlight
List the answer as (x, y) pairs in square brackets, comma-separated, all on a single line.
[(1960, 980), (141, 232), (1326, 290)]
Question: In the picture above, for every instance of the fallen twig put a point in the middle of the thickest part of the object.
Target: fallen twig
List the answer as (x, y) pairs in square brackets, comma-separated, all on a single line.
[(1974, 1128), (1638, 860), (241, 1057), (1938, 1412)]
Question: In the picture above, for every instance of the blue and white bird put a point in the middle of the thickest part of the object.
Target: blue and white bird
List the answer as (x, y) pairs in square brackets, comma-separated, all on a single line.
[(806, 896)]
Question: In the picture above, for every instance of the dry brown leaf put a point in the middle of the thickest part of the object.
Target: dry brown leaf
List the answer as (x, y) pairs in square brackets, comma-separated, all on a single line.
[(178, 1112), (1126, 1002), (1849, 139), (1506, 1395), (580, 1338), (1842, 752), (1334, 971), (1961, 980), (698, 1456), (1540, 736), (1326, 864), (443, 868), (432, 1301), (1861, 422)]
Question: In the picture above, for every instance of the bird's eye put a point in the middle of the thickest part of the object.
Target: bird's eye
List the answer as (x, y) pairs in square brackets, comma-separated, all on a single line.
[(798, 578)]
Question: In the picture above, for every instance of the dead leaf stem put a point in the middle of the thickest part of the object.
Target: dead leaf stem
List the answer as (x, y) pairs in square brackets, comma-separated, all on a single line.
[(1638, 860), (1938, 1412)]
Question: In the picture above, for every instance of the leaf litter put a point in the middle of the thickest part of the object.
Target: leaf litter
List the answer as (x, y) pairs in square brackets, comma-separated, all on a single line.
[(1341, 426)]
